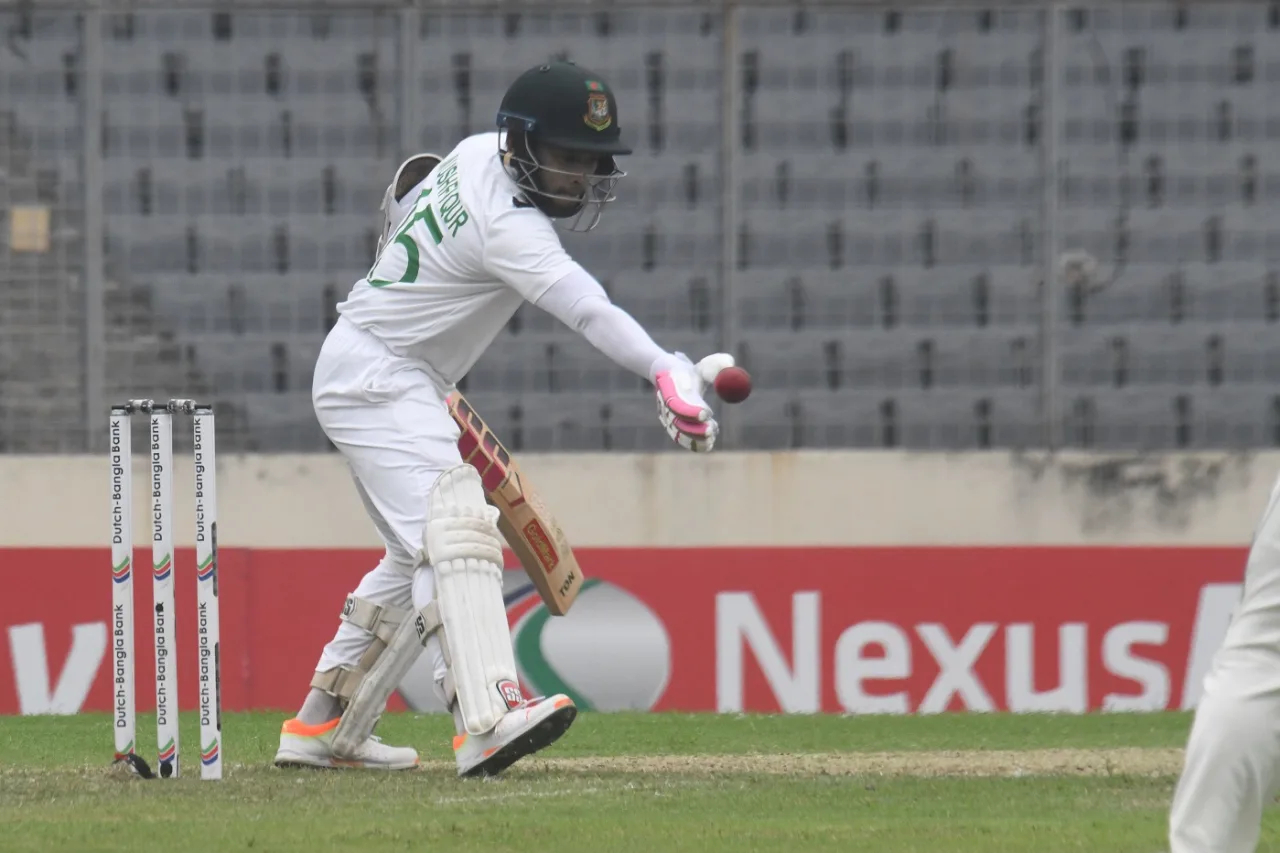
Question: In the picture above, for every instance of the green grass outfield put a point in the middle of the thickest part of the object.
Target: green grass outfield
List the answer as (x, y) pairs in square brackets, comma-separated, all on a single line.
[(626, 782)]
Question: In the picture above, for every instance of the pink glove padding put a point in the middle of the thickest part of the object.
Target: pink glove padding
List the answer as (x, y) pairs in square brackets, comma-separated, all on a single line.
[(681, 408)]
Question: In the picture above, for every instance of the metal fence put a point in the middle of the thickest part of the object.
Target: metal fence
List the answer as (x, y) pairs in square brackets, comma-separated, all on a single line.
[(865, 203)]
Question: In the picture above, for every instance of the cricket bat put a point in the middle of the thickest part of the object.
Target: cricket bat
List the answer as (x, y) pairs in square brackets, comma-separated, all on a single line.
[(528, 526)]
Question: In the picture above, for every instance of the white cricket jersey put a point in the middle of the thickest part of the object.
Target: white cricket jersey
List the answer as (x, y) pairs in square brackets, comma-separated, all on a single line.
[(459, 264)]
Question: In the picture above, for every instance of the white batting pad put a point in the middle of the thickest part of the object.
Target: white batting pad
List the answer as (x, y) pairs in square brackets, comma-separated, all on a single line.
[(465, 550), (369, 698)]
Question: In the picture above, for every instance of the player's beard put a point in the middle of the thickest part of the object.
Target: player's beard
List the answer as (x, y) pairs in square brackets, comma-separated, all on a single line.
[(559, 204)]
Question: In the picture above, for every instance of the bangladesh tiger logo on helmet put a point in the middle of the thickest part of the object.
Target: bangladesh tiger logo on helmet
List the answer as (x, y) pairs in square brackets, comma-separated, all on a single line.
[(597, 116)]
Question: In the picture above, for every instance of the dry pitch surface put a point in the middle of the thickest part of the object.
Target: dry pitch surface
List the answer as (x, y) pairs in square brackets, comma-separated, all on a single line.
[(624, 782)]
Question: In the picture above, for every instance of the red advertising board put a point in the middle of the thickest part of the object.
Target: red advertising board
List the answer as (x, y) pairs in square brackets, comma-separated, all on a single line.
[(889, 630)]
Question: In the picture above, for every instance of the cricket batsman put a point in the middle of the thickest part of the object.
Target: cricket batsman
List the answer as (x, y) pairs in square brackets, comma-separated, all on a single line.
[(1229, 772), (466, 240)]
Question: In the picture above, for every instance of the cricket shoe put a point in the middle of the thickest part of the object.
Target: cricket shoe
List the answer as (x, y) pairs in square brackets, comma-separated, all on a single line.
[(527, 728), (302, 745)]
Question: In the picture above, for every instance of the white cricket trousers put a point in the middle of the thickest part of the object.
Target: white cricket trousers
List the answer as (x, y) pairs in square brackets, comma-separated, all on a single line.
[(389, 418), (1233, 751)]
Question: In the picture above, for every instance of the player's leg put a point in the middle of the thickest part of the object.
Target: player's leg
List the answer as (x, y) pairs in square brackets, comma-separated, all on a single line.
[(369, 617), (386, 587), (1228, 776), (1230, 768), (461, 620), (359, 402), (392, 424), (475, 670)]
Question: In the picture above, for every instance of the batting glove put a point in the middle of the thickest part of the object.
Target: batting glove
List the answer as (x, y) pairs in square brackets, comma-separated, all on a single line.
[(682, 409)]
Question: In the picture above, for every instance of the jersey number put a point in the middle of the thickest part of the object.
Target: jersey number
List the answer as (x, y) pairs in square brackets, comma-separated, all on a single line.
[(425, 215)]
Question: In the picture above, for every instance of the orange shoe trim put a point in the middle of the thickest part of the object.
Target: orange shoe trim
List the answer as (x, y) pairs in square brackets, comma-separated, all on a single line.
[(297, 727), (563, 702), (458, 741)]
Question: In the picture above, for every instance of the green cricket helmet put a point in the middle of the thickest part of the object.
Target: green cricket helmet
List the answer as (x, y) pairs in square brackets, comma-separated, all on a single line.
[(563, 106)]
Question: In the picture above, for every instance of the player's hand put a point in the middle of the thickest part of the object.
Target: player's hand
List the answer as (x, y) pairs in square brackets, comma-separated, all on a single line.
[(682, 409)]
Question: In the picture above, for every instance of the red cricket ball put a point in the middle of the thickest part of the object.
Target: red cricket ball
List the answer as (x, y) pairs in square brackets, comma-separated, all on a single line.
[(733, 384)]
